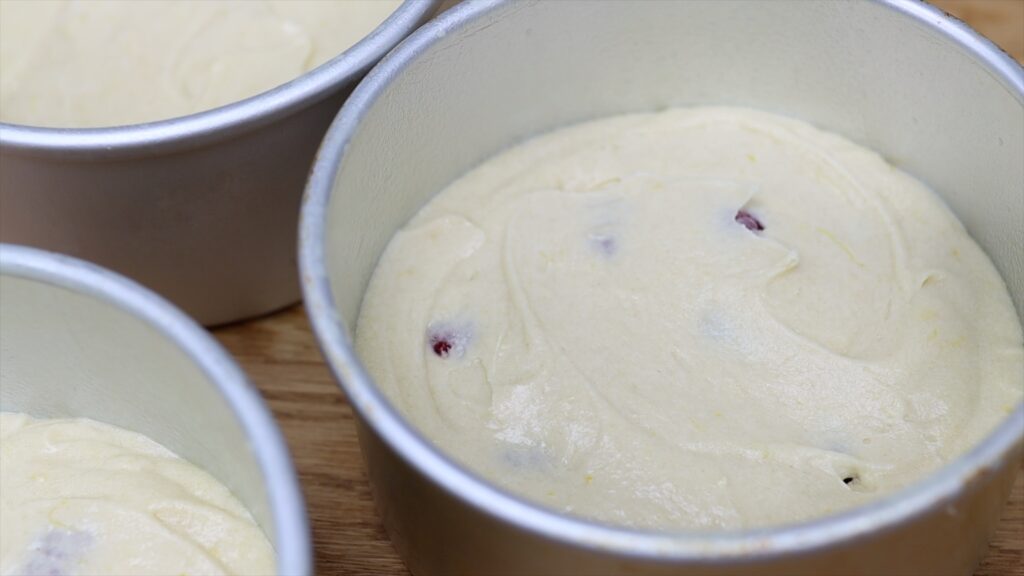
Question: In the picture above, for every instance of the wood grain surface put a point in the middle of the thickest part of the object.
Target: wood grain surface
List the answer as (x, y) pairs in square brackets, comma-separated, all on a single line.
[(281, 356)]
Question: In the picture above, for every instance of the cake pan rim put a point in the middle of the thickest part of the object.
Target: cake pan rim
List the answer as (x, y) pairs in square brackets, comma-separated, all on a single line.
[(226, 121)]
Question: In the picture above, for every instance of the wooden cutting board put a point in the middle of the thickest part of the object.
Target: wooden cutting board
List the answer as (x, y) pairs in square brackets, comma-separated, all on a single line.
[(281, 356)]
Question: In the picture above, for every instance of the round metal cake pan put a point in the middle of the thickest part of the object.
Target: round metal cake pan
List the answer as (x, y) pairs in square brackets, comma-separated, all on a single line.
[(201, 208), (77, 340), (897, 76)]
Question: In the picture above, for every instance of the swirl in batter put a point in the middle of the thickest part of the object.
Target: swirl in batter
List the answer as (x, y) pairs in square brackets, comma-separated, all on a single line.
[(702, 318), (85, 64), (81, 497)]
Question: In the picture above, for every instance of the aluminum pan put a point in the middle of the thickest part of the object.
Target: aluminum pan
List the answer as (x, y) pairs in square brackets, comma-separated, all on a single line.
[(223, 122), (287, 508), (689, 547)]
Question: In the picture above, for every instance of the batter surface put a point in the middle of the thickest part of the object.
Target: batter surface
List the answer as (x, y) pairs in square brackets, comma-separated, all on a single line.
[(701, 318), (81, 497), (91, 63)]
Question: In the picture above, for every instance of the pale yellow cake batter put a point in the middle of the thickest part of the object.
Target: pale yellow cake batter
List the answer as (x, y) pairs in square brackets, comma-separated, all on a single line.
[(81, 497), (91, 63), (704, 318)]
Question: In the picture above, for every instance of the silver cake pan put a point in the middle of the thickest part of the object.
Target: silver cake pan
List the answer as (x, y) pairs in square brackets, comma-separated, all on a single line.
[(896, 76), (77, 340), (201, 208)]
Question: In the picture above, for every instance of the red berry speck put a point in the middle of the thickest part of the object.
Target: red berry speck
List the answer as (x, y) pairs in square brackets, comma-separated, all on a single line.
[(449, 339), (748, 220), (440, 345)]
